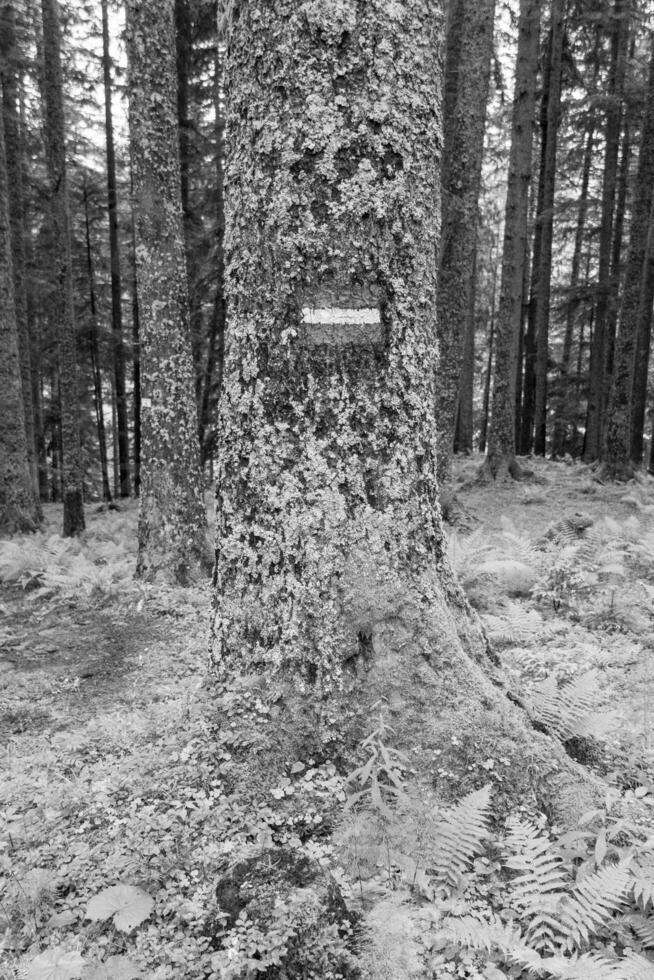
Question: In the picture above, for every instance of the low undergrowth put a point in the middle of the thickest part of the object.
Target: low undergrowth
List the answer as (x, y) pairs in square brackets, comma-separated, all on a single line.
[(127, 794)]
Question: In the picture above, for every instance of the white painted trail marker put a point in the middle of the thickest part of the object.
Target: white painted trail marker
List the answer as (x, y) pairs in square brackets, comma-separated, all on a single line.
[(340, 326)]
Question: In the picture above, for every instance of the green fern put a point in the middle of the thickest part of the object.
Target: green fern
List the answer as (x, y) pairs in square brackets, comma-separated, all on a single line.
[(593, 903), (459, 835), (643, 926), (569, 711)]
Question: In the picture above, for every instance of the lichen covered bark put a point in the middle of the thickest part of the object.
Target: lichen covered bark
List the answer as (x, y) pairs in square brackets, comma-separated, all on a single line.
[(172, 519), (330, 561), (19, 505)]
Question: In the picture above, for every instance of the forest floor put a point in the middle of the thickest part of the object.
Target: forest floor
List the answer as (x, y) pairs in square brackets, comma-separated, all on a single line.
[(117, 808)]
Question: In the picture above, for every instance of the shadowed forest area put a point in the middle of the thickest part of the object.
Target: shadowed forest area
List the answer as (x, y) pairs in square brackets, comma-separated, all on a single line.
[(326, 489)]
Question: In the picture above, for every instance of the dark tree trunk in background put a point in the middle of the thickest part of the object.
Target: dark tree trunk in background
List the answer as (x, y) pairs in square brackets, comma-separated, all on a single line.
[(95, 353), (333, 587), (213, 373), (64, 313), (526, 366), (641, 359), (545, 221), (11, 88), (616, 258), (500, 461), (616, 449), (565, 403), (469, 46), (19, 504), (619, 41), (116, 285), (485, 412), (463, 434), (172, 519)]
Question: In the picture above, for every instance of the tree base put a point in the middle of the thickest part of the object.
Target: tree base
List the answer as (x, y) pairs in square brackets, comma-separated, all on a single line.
[(500, 468)]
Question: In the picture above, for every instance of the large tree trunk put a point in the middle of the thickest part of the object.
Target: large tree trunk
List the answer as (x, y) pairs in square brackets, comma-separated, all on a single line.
[(500, 460), (11, 87), (332, 582), (469, 46), (596, 400), (116, 286), (64, 314), (546, 222), (616, 448), (172, 519), (19, 504)]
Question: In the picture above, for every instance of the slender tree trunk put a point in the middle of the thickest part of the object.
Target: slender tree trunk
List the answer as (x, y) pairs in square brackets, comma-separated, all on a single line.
[(546, 221), (641, 360), (11, 86), (594, 420), (64, 314), (172, 519), (464, 415), (116, 285), (564, 407), (489, 368), (526, 379), (213, 373), (95, 354), (616, 449), (469, 47), (616, 256), (500, 461), (332, 585), (19, 504), (136, 376)]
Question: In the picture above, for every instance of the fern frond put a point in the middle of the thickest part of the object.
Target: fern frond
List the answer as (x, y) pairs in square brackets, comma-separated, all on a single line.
[(487, 935), (639, 967), (643, 891), (532, 854), (593, 966), (461, 830), (593, 902), (567, 711), (643, 926)]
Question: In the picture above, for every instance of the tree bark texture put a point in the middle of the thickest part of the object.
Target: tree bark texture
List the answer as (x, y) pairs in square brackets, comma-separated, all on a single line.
[(64, 312), (464, 430), (469, 47), (500, 461), (616, 449), (172, 519), (19, 504), (331, 575), (9, 70), (619, 41), (116, 284)]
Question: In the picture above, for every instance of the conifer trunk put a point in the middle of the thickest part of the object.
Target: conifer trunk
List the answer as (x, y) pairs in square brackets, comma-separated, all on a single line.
[(64, 312), (500, 461), (95, 353), (172, 519), (642, 356), (546, 221), (116, 283), (616, 448), (19, 504), (11, 87), (595, 417), (469, 46), (332, 584)]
